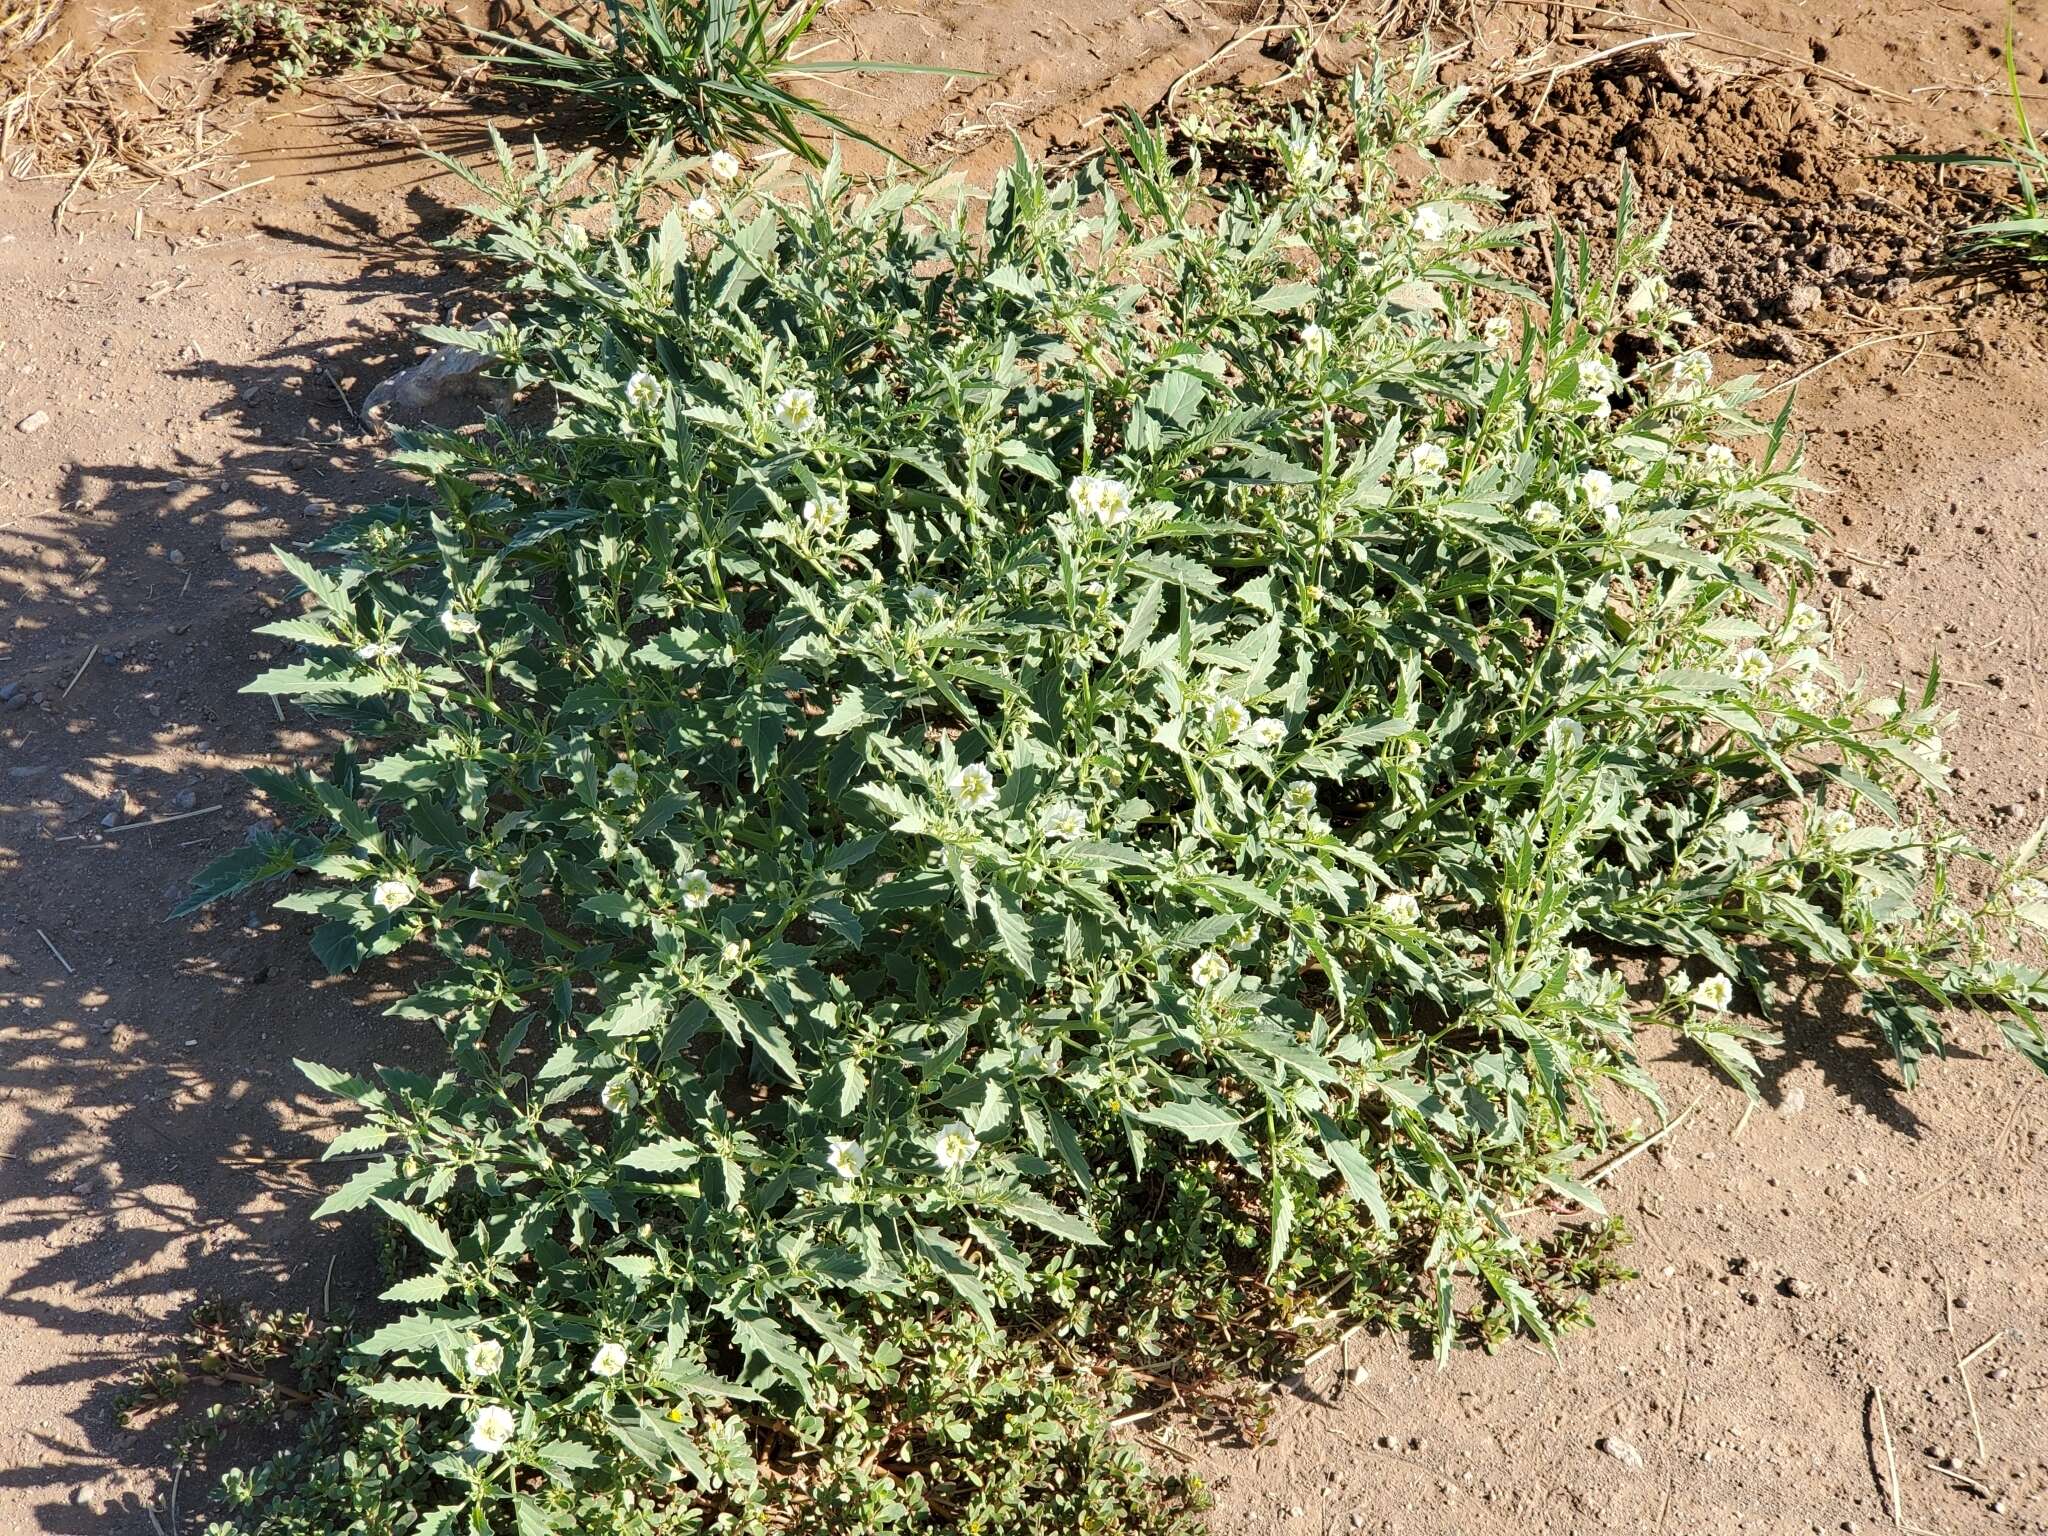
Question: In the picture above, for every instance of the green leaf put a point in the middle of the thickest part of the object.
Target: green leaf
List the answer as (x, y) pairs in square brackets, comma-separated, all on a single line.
[(423, 1229), (408, 1392), (1025, 1206)]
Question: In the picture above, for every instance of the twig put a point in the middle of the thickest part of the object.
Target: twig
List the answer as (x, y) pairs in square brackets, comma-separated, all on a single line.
[(1971, 1357), (1952, 1473), (231, 191), (1743, 47), (1615, 1162), (1891, 1456), (1586, 60), (1948, 1307), (348, 403), (81, 670), (1874, 341), (57, 952), (164, 821)]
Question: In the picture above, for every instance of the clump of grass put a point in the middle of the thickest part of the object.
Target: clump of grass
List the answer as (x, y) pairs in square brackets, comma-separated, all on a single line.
[(712, 72), (2023, 235)]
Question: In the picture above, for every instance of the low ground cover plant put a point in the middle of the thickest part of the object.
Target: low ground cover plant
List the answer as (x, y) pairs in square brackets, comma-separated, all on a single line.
[(1008, 788), (289, 42)]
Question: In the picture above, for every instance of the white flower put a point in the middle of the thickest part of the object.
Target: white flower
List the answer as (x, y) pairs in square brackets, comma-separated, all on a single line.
[(643, 391), (1229, 717), (1427, 461), (1352, 229), (1299, 797), (1598, 379), (1599, 489), (574, 236), (619, 1094), (695, 890), (1543, 514), (1497, 329), (922, 596), (1063, 822), (459, 622), (609, 1360), (1563, 735), (489, 881), (1835, 824), (725, 165), (1716, 992), (1719, 459), (955, 1145), (825, 515), (974, 787), (1265, 733), (1805, 619), (701, 208), (1210, 969), (623, 779), (379, 650), (1400, 907), (492, 1429), (1751, 665), (846, 1158), (1100, 497), (1429, 222), (484, 1357), (732, 952), (1691, 372), (1314, 339), (390, 895), (796, 410), (1808, 695), (1649, 293)]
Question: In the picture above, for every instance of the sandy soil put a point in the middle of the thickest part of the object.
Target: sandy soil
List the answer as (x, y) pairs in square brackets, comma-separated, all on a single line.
[(201, 372)]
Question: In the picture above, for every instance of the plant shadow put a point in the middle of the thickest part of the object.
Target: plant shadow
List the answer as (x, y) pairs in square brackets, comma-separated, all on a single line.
[(157, 1142)]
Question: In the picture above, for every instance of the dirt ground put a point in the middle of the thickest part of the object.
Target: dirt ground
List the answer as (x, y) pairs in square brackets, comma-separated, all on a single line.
[(201, 363)]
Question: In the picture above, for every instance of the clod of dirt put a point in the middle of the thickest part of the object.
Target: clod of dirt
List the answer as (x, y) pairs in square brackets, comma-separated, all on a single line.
[(1799, 299)]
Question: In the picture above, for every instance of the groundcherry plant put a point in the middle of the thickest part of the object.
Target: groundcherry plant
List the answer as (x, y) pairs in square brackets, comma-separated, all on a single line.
[(968, 702)]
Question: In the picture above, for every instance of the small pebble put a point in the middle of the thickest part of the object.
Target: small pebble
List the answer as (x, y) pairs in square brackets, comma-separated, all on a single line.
[(33, 422), (176, 557), (1621, 1450)]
